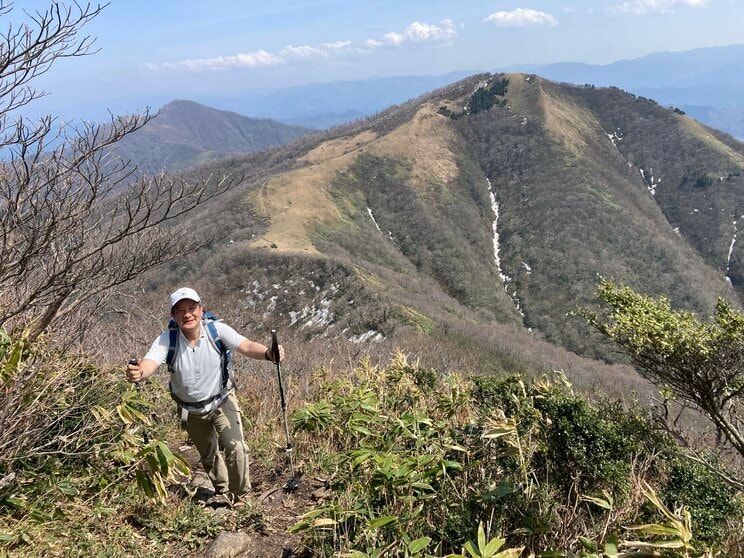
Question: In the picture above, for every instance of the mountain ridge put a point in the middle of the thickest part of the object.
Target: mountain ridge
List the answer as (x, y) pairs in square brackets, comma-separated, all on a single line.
[(704, 80), (185, 132)]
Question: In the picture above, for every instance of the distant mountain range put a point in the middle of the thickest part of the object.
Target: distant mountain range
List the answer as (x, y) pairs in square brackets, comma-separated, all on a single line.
[(707, 83), (184, 133), (323, 105)]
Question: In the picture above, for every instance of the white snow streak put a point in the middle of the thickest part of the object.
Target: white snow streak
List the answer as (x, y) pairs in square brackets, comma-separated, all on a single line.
[(370, 335), (731, 250), (496, 248), (373, 219), (651, 182), (615, 137)]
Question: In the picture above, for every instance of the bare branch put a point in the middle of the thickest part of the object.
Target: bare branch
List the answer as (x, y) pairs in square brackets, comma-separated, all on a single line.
[(72, 226)]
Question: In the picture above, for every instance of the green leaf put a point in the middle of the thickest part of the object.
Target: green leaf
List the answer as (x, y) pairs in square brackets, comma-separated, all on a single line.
[(6, 537), (601, 502), (18, 503), (493, 547), (67, 488), (181, 465), (449, 464), (481, 538), (361, 457), (382, 521), (39, 515), (418, 545), (165, 458), (611, 545), (654, 529), (160, 491), (145, 483), (588, 544), (471, 549)]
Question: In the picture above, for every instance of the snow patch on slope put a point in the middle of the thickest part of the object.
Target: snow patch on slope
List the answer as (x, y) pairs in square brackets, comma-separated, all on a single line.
[(496, 248)]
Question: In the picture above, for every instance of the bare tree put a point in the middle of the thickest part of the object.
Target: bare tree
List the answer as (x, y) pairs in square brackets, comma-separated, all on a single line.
[(74, 220)]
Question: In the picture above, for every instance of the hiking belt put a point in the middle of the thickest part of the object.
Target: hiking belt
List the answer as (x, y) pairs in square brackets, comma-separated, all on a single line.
[(205, 405)]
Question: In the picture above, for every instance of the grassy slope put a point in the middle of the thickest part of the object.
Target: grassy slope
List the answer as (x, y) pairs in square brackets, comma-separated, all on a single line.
[(573, 209), (700, 169)]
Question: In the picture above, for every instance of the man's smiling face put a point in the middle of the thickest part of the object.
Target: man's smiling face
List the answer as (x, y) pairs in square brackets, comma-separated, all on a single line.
[(188, 315)]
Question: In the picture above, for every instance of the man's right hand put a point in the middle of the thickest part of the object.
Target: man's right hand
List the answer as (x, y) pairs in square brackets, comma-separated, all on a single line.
[(134, 373)]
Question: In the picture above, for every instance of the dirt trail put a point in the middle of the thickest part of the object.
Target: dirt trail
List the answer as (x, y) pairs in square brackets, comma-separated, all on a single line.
[(278, 509)]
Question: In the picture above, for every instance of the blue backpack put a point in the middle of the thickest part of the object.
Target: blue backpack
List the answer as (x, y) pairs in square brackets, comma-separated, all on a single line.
[(208, 320)]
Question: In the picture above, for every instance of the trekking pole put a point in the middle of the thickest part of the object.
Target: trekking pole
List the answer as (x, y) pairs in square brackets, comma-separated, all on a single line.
[(293, 483), (138, 387)]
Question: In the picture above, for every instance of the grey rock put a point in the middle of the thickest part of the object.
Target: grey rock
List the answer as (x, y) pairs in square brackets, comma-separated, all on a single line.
[(228, 545)]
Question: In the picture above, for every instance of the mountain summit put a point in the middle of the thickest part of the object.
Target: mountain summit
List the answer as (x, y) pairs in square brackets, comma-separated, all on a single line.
[(184, 133)]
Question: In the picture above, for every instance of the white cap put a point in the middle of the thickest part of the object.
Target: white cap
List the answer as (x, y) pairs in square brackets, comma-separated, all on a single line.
[(184, 293)]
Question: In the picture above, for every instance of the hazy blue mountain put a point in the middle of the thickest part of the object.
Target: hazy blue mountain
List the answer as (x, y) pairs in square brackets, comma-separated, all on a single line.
[(185, 132), (707, 82), (322, 105)]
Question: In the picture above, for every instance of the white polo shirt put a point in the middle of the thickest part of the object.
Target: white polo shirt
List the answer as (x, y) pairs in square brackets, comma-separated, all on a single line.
[(197, 369)]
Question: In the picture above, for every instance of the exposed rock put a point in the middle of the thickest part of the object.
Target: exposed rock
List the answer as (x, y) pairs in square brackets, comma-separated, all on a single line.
[(228, 545)]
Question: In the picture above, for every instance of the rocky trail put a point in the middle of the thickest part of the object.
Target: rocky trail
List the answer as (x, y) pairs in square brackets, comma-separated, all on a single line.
[(274, 507)]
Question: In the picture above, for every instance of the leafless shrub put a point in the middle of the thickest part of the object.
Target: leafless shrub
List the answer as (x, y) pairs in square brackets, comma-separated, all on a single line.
[(70, 228)]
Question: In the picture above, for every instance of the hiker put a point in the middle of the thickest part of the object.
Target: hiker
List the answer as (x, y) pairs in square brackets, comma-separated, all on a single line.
[(196, 348)]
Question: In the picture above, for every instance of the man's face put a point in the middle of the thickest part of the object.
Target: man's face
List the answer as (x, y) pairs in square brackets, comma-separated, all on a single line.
[(188, 314)]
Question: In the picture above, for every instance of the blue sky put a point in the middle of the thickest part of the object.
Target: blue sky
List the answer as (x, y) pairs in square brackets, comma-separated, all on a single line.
[(152, 51)]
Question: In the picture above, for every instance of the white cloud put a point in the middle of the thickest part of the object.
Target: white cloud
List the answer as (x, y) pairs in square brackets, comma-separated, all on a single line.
[(521, 18), (302, 53), (372, 43), (256, 59), (418, 33), (662, 6), (335, 46), (394, 38)]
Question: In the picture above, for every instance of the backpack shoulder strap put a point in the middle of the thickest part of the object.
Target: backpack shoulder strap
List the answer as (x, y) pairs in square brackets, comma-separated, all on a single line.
[(209, 320), (225, 353), (172, 343)]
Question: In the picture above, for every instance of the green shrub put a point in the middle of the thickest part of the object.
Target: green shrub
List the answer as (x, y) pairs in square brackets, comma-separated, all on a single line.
[(415, 457), (710, 501)]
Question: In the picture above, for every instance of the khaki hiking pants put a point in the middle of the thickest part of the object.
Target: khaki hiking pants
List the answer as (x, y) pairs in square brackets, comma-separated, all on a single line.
[(222, 426)]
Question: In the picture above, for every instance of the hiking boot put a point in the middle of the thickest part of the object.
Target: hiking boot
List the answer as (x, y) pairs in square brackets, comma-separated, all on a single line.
[(239, 501), (218, 500)]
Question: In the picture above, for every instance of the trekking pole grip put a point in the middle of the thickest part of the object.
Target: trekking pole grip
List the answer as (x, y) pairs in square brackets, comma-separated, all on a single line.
[(133, 362), (274, 347)]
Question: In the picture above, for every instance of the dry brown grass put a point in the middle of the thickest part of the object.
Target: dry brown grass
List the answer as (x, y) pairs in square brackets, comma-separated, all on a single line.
[(426, 142), (297, 201), (569, 122), (701, 133)]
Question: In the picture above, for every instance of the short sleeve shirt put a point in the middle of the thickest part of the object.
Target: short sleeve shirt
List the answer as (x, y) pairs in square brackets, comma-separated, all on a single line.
[(197, 369)]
